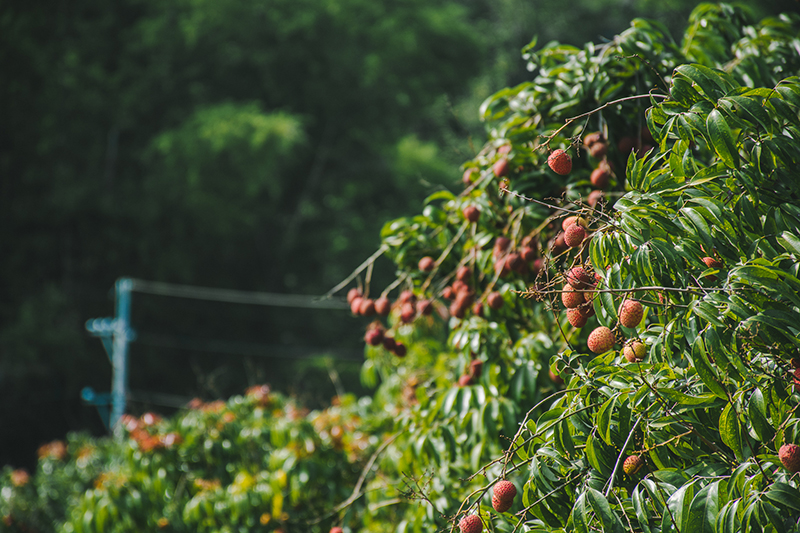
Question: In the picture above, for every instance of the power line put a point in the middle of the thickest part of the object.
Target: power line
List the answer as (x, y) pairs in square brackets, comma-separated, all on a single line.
[(242, 348), (234, 296)]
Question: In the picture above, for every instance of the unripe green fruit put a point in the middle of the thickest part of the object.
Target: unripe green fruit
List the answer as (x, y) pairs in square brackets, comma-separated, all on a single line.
[(634, 351)]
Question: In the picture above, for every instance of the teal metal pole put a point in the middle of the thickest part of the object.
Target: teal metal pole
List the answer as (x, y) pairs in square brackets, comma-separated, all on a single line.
[(119, 358)]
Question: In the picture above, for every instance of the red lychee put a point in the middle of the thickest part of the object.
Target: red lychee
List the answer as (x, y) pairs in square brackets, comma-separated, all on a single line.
[(382, 306), (495, 300), (710, 262), (471, 213), (448, 293), (579, 278), (424, 307), (367, 307), (471, 524), (559, 162), (594, 197), (632, 464), (406, 296), (631, 313), (399, 349), (576, 317), (514, 262), (789, 454), (558, 380), (466, 178), (527, 254), (601, 176), (374, 336), (574, 235), (571, 298), (426, 264), (505, 492), (592, 138), (336, 530), (465, 380), (600, 340), (407, 313), (355, 305), (464, 273), (598, 150), (352, 294), (500, 168)]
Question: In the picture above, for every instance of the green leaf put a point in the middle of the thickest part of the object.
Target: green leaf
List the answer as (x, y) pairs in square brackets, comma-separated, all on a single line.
[(702, 400), (641, 510), (730, 430), (784, 494), (703, 509), (704, 370), (757, 409), (600, 505), (722, 139), (580, 520), (604, 419)]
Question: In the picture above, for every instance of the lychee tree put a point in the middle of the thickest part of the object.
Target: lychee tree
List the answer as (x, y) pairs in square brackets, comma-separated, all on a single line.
[(636, 210)]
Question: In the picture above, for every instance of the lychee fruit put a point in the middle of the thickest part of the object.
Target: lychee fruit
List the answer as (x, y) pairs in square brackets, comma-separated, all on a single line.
[(555, 378), (634, 351), (466, 178), (399, 349), (592, 138), (495, 300), (355, 305), (367, 307), (504, 490), (579, 278), (459, 287), (501, 244), (408, 313), (598, 150), (465, 380), (448, 293), (600, 340), (601, 176), (464, 273), (514, 262), (789, 454), (632, 464), (576, 317), (501, 267), (382, 306), (558, 245), (477, 309), (389, 343), (594, 198), (471, 213), (424, 307), (426, 264), (527, 253), (374, 336), (567, 222), (471, 524), (571, 298), (631, 313), (352, 294), (574, 235), (559, 162), (500, 168), (406, 296), (710, 262), (457, 310), (336, 530)]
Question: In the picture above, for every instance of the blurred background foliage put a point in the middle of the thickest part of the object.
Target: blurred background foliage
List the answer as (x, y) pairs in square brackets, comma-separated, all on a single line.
[(230, 143)]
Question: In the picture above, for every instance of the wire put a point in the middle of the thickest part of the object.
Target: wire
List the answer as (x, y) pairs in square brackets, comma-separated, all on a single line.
[(243, 348), (234, 296)]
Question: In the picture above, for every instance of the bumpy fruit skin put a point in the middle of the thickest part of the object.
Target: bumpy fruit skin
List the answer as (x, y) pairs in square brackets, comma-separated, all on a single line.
[(789, 454), (504, 490), (601, 340), (471, 213), (471, 524), (632, 464), (559, 162), (579, 278), (577, 318), (501, 506), (571, 298), (631, 313), (634, 351), (574, 235)]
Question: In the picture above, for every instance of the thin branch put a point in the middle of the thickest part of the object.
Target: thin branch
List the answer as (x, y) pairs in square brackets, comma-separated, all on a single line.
[(371, 259)]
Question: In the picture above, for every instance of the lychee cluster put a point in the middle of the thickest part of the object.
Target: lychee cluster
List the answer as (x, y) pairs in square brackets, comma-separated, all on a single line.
[(473, 373), (503, 496)]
